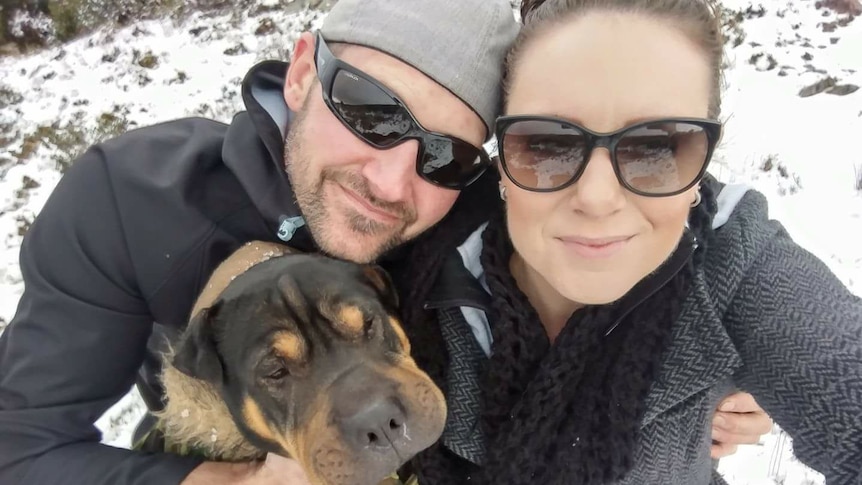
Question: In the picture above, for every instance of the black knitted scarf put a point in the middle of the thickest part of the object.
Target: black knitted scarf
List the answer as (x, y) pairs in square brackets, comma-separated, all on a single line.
[(567, 412)]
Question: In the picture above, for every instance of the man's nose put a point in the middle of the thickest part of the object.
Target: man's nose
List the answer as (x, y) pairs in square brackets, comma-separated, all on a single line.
[(391, 173)]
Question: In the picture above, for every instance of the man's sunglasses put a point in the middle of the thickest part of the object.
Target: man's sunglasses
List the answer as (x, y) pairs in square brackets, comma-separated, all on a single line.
[(656, 158), (376, 115)]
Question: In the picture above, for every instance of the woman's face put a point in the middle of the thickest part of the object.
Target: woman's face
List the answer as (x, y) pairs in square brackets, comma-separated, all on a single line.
[(603, 71)]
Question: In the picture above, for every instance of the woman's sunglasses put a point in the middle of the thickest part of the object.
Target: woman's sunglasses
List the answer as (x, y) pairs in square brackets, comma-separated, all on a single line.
[(656, 158), (376, 115)]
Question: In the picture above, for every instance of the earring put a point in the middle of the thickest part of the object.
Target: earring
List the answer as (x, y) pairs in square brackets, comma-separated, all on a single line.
[(502, 192), (697, 197)]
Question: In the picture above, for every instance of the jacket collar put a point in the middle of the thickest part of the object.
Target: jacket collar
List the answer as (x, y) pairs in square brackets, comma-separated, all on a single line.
[(254, 151), (457, 287), (459, 283), (701, 354)]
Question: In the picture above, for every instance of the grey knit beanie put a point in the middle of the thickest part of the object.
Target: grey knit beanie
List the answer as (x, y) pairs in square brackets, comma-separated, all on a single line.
[(461, 44)]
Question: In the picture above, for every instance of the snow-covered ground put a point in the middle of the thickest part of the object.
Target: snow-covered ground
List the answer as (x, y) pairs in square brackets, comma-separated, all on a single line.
[(803, 152)]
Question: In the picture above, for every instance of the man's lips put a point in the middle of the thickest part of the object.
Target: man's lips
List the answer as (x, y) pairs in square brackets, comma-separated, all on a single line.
[(377, 212)]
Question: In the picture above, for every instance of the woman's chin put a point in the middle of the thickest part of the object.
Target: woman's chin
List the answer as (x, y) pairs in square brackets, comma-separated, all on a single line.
[(595, 290)]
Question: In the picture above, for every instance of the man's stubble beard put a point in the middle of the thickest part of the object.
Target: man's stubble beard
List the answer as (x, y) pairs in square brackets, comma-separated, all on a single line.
[(310, 196)]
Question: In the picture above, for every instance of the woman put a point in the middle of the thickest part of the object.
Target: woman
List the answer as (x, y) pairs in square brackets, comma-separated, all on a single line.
[(628, 291)]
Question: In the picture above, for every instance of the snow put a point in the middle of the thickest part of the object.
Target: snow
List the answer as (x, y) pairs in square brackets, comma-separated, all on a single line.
[(165, 69)]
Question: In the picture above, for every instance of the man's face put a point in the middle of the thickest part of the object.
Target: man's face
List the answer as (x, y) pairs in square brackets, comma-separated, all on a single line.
[(359, 201)]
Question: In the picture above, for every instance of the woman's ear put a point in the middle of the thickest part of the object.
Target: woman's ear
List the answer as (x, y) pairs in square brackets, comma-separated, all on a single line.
[(301, 74)]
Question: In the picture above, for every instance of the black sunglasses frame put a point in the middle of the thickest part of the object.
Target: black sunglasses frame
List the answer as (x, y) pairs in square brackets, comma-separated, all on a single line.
[(328, 66), (609, 141)]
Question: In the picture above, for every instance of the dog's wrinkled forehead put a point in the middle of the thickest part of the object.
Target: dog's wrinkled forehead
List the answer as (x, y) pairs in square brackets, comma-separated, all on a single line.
[(310, 313), (347, 297), (344, 294)]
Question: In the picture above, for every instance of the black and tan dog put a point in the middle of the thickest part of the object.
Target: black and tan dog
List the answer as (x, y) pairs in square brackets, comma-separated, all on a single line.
[(300, 355)]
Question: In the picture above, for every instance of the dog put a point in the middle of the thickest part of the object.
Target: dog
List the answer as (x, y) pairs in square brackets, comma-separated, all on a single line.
[(303, 356)]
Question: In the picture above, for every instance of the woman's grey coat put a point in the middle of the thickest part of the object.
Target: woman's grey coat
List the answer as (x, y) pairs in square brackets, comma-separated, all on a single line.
[(765, 316)]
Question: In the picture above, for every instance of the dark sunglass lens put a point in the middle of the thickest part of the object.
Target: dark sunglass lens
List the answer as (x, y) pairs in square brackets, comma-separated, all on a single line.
[(662, 157), (451, 163), (368, 110), (543, 154)]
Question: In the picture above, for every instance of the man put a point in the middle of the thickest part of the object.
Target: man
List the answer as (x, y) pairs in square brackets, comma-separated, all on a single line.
[(114, 261)]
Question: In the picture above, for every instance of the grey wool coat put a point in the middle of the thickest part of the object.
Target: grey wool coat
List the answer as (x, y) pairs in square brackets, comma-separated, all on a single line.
[(764, 316)]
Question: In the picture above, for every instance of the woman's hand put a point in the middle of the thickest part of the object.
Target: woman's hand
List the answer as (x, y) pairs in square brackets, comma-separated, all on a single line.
[(275, 470), (739, 420)]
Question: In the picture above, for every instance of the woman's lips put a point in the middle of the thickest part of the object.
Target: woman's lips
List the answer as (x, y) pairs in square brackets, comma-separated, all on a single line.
[(594, 248)]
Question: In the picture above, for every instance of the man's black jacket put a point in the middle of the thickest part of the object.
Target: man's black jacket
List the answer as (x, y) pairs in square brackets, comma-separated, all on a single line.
[(113, 264)]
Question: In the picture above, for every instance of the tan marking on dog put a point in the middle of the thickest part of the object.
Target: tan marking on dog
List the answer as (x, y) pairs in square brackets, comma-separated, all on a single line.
[(236, 264), (291, 293), (192, 411), (376, 278), (255, 420), (314, 430), (402, 337), (290, 346), (350, 320)]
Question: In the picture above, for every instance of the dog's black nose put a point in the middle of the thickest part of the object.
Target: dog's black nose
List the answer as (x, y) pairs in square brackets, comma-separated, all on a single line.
[(374, 422)]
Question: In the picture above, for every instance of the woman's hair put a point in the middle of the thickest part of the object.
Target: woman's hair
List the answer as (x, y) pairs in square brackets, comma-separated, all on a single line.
[(699, 20)]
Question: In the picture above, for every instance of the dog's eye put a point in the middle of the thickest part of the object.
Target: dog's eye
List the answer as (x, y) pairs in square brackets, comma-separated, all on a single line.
[(276, 369), (368, 325), (279, 374)]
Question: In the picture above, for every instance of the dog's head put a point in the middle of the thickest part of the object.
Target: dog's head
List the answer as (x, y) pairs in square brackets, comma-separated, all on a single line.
[(309, 357)]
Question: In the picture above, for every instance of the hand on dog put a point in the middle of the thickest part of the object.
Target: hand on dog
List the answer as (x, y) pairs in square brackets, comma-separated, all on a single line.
[(277, 470), (738, 421)]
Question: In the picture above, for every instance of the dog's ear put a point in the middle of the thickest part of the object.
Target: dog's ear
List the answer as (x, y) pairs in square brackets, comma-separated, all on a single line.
[(382, 282), (196, 354)]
